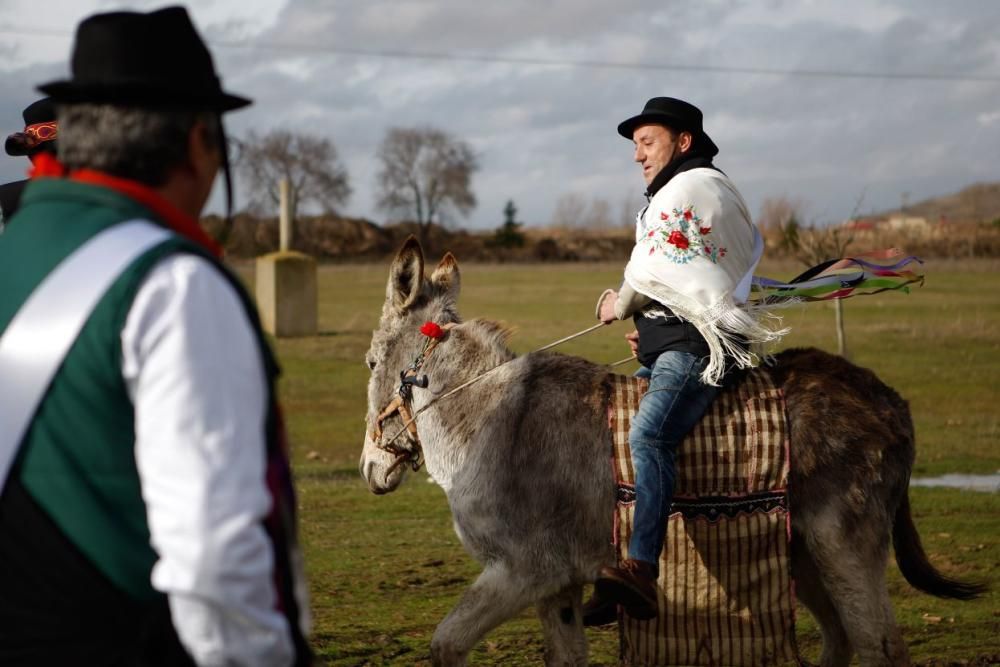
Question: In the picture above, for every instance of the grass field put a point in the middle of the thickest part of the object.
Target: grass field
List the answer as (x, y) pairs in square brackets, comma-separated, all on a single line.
[(384, 570)]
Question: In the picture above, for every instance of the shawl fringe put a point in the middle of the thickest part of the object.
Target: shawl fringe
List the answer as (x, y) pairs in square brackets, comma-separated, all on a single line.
[(737, 332)]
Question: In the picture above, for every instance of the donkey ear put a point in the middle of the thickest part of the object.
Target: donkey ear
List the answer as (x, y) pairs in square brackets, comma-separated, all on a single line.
[(445, 276), (406, 275)]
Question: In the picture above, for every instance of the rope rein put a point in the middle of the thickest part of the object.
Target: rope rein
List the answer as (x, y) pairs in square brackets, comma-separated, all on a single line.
[(413, 418)]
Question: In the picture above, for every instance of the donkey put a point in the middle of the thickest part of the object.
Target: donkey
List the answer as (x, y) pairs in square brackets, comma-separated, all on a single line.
[(523, 456)]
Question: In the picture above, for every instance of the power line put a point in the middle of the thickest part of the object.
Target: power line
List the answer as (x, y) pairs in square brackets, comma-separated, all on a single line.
[(561, 62)]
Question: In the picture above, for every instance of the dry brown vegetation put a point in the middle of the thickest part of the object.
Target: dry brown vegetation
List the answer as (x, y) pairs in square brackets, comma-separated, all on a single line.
[(959, 226), (353, 239)]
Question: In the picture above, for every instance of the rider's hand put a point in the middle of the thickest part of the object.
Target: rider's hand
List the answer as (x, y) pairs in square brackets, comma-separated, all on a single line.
[(606, 306), (633, 341)]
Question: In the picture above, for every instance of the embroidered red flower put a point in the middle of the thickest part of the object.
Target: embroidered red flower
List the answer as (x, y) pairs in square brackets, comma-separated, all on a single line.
[(651, 232), (678, 239), (687, 214), (432, 330), (704, 230), (663, 216)]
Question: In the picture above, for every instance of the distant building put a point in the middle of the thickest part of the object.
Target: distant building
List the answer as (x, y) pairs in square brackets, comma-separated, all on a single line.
[(900, 222), (895, 222), (861, 224)]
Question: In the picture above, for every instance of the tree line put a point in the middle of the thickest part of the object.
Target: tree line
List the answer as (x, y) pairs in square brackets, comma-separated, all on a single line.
[(424, 173), (424, 177)]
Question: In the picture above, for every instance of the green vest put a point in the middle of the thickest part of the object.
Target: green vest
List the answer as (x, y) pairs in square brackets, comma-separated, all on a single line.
[(77, 459)]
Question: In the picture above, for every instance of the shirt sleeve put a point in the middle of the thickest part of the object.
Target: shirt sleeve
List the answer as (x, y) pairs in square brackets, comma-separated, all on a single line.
[(629, 301), (195, 375)]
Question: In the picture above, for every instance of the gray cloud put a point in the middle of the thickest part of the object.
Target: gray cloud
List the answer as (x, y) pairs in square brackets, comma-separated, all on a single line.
[(544, 130)]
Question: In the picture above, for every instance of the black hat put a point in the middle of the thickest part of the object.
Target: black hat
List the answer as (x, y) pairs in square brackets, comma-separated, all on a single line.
[(155, 60), (39, 130), (40, 111), (676, 114)]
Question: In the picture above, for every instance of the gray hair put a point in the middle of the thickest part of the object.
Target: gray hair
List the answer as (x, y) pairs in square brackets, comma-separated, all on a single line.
[(139, 144)]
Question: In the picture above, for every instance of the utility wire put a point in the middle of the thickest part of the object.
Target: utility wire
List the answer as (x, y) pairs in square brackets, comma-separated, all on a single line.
[(560, 62)]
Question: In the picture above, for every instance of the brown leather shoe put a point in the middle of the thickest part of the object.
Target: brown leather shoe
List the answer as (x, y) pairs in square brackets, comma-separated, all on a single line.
[(633, 585), (598, 611)]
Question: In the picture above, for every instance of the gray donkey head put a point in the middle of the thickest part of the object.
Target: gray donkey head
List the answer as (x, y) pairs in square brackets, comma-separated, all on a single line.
[(410, 300)]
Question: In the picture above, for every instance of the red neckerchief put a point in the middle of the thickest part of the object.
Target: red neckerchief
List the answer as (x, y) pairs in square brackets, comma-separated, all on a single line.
[(47, 166)]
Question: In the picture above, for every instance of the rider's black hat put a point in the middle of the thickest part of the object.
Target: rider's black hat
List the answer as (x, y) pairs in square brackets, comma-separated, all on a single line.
[(678, 115)]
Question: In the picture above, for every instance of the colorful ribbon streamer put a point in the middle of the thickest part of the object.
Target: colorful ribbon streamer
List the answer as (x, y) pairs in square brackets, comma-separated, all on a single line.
[(868, 273)]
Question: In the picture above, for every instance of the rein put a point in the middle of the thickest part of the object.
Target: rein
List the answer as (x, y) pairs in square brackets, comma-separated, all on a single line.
[(409, 377)]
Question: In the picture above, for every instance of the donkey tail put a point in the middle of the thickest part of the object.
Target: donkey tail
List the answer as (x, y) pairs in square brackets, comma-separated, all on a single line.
[(917, 569)]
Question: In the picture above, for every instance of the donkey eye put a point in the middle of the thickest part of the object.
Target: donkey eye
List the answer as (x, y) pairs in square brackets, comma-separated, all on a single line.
[(370, 364)]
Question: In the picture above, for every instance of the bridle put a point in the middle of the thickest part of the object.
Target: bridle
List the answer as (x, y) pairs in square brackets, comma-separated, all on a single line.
[(412, 452)]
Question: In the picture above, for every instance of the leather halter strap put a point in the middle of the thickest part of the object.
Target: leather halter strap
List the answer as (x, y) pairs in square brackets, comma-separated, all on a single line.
[(402, 404)]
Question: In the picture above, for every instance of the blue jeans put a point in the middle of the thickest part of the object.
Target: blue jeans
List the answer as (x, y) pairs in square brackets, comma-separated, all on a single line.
[(675, 401)]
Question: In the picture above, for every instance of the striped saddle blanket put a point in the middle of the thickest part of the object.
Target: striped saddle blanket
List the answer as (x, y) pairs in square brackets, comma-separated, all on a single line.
[(725, 583)]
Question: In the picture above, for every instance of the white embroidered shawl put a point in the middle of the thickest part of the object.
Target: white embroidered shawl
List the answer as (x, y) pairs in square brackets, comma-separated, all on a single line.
[(696, 250)]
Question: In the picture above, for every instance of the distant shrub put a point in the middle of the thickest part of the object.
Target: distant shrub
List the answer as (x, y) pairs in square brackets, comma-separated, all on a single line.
[(507, 236)]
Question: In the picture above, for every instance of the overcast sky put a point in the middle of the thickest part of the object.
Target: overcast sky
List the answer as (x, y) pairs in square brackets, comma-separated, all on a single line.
[(922, 117)]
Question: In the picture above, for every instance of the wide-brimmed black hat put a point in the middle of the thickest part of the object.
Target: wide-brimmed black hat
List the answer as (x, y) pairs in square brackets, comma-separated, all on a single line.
[(155, 60), (678, 115), (39, 130)]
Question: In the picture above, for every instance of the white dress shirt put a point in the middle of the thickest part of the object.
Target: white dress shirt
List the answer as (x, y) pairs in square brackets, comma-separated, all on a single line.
[(195, 375)]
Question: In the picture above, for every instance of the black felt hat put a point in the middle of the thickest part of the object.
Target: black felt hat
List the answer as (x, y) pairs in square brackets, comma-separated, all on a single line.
[(155, 60), (39, 111), (676, 114), (39, 130)]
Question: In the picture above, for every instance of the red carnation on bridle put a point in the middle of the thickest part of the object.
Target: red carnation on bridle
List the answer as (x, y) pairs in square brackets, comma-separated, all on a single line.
[(432, 330)]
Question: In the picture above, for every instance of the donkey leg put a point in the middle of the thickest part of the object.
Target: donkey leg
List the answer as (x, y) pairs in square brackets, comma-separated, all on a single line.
[(851, 563), (562, 623), (809, 589), (491, 600)]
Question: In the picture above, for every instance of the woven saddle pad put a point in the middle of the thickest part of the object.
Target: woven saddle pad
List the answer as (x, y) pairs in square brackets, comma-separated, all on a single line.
[(725, 583)]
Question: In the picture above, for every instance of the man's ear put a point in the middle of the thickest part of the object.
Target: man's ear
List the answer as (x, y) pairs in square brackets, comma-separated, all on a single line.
[(684, 141), (195, 174), (203, 147)]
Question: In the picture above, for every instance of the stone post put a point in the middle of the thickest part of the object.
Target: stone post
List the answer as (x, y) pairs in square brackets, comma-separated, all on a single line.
[(285, 217), (286, 282)]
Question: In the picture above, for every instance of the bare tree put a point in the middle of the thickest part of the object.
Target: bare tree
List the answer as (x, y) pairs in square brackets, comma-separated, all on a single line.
[(629, 211), (573, 210), (570, 210), (427, 173), (776, 212), (599, 215), (310, 163)]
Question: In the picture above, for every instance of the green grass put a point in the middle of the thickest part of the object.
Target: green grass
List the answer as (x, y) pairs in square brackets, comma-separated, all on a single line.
[(384, 570)]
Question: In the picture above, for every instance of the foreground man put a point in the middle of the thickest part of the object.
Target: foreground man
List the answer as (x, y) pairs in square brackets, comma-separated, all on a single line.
[(146, 515), (690, 272)]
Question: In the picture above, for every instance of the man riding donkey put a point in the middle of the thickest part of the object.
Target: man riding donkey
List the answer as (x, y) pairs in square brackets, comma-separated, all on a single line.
[(685, 286)]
